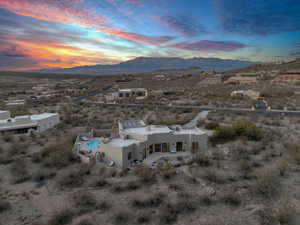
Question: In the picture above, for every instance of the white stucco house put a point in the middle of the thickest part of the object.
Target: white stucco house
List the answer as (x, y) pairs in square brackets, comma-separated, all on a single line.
[(27, 123), (136, 141)]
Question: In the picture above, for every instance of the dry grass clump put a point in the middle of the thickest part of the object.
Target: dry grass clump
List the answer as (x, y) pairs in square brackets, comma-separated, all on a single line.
[(145, 173), (85, 202), (166, 170), (201, 159), (294, 151), (282, 166), (20, 171), (74, 178), (267, 182), (213, 175)]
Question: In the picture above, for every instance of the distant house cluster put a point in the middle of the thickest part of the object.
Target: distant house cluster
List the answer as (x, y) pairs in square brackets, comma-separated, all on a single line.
[(137, 141), (291, 77), (27, 123)]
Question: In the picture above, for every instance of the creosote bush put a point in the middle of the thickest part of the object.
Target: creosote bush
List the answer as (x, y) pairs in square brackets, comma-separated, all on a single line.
[(201, 159)]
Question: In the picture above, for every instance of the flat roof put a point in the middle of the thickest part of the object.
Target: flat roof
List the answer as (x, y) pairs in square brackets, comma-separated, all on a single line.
[(151, 129), (119, 142), (43, 116)]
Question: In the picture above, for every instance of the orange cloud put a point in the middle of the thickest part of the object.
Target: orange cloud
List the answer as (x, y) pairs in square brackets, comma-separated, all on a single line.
[(72, 12)]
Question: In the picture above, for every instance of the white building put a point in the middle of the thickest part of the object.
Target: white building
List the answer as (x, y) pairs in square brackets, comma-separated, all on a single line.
[(137, 141), (137, 93), (27, 123)]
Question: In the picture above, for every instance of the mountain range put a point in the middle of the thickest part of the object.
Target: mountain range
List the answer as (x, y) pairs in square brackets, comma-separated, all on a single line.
[(148, 64)]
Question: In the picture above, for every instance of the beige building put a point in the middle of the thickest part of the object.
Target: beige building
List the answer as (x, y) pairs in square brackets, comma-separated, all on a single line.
[(136, 141), (137, 93), (25, 124), (249, 93), (211, 80)]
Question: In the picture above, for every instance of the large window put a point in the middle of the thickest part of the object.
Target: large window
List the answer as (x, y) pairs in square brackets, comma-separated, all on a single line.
[(165, 147), (179, 146), (157, 147)]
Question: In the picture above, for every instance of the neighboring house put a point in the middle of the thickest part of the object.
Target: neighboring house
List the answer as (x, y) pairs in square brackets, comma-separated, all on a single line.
[(212, 79), (15, 102), (249, 93), (137, 141), (137, 93), (27, 123), (241, 80)]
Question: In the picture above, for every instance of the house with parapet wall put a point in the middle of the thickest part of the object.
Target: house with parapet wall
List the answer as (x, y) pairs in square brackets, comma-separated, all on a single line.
[(27, 123), (137, 93), (137, 141)]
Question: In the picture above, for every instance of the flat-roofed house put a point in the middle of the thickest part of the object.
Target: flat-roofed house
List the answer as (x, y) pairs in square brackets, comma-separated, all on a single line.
[(137, 141), (25, 124)]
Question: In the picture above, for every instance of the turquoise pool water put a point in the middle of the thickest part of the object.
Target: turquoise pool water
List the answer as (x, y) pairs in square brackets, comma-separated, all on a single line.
[(94, 144)]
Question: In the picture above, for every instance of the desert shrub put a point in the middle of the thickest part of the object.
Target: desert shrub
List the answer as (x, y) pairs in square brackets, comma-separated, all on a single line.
[(85, 222), (245, 168), (186, 205), (20, 171), (17, 149), (284, 212), (85, 202), (282, 166), (232, 199), (121, 218), (4, 206), (237, 129), (42, 175), (145, 173), (205, 200), (8, 137), (101, 182), (212, 125), (62, 218), (166, 170), (213, 175), (168, 214), (72, 179), (121, 187), (22, 138), (143, 218), (201, 159), (267, 182), (294, 152), (150, 202)]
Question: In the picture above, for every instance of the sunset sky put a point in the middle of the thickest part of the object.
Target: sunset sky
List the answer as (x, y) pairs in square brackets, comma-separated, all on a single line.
[(38, 34)]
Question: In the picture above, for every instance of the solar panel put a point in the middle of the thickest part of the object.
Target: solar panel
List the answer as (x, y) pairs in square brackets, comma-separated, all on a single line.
[(132, 124)]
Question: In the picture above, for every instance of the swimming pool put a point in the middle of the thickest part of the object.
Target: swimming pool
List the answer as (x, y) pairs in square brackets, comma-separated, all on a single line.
[(94, 144)]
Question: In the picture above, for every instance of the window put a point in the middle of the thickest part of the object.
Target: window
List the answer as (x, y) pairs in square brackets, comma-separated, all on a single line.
[(129, 156), (157, 147), (195, 147), (165, 147), (179, 146)]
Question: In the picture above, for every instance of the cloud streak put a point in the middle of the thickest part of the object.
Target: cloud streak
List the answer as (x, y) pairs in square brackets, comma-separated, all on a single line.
[(185, 25), (258, 17), (209, 46)]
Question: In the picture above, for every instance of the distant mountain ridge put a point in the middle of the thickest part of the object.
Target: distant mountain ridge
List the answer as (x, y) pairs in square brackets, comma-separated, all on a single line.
[(148, 64)]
